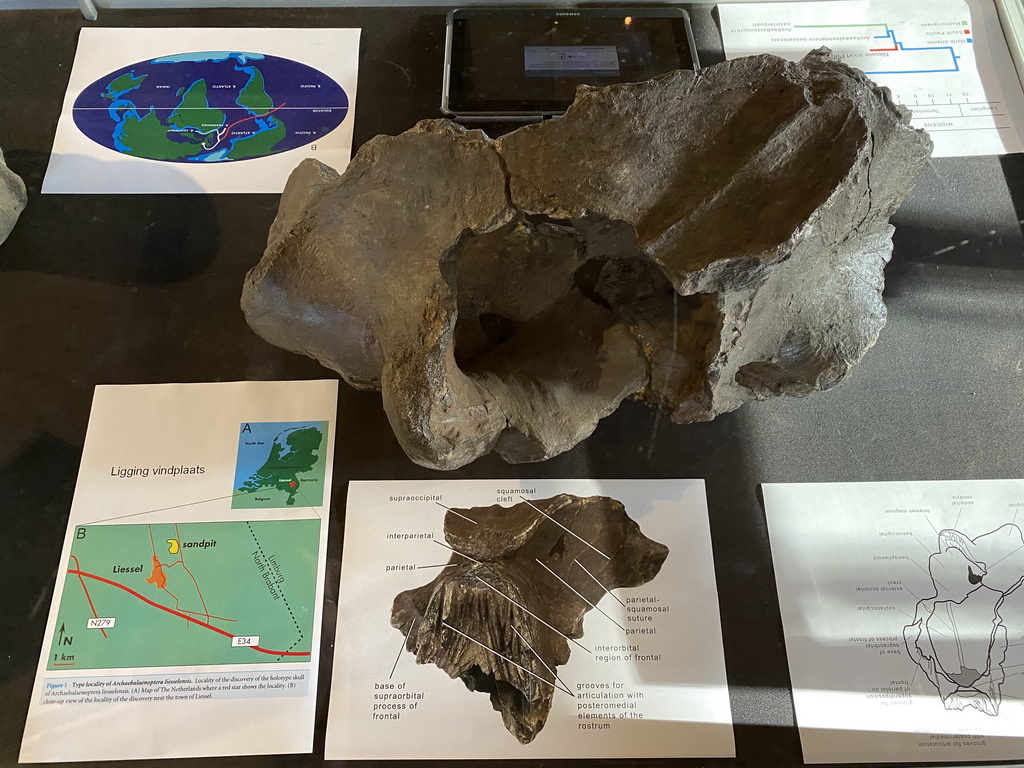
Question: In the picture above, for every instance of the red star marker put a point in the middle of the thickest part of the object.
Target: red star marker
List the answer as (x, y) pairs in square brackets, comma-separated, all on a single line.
[(293, 484)]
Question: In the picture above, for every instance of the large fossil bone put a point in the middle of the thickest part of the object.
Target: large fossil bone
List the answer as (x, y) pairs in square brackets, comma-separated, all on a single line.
[(518, 586), (697, 241)]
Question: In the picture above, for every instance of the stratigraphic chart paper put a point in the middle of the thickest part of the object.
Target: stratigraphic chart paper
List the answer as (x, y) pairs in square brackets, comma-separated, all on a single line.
[(186, 614), (648, 681), (203, 110), (904, 617), (946, 60)]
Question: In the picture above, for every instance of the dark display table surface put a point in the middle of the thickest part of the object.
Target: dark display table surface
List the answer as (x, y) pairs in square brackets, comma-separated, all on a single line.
[(144, 288)]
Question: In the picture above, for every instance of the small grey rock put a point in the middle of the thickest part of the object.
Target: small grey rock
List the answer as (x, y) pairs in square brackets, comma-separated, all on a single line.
[(12, 198)]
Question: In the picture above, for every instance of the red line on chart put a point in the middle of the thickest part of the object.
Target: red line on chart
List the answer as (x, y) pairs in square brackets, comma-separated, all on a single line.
[(185, 616), (250, 117), (91, 606)]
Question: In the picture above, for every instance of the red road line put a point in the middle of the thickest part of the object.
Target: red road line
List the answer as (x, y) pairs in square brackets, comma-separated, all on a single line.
[(91, 606), (218, 630), (200, 613), (206, 611)]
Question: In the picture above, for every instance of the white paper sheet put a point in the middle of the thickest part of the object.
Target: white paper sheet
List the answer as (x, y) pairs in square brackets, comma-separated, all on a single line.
[(203, 110), (657, 689), (904, 617), (946, 60), (186, 614)]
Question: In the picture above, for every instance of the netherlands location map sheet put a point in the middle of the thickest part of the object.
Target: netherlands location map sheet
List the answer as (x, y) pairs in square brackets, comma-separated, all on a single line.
[(185, 620), (904, 617)]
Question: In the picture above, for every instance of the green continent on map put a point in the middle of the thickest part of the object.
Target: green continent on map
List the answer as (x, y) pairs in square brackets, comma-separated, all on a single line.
[(254, 96), (122, 85), (194, 111), (187, 594), (259, 144), (148, 138), (293, 461)]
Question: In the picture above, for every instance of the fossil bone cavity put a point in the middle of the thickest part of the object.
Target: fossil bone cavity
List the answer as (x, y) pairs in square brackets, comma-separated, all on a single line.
[(695, 241)]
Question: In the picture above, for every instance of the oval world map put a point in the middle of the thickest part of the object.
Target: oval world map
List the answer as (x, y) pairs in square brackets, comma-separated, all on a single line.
[(210, 106)]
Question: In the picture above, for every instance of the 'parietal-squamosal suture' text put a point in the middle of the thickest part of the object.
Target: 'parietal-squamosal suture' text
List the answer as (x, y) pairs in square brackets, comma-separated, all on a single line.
[(695, 241)]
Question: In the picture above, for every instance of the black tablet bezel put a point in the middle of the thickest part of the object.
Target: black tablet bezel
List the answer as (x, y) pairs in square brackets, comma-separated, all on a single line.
[(456, 104)]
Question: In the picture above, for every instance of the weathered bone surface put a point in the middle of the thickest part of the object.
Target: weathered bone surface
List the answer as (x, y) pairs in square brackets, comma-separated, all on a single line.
[(508, 588), (12, 198), (696, 241)]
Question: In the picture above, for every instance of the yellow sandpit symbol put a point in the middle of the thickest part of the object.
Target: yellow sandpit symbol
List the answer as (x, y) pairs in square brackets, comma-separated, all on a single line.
[(173, 549)]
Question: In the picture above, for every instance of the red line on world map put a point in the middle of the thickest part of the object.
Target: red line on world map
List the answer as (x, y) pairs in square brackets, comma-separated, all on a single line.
[(251, 117), (146, 600)]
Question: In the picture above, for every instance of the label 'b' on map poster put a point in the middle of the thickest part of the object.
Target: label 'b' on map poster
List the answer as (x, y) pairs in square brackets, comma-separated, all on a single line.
[(188, 593)]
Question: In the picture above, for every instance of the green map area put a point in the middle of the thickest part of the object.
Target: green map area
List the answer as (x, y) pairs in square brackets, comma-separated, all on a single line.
[(280, 464), (124, 84), (224, 112), (187, 594)]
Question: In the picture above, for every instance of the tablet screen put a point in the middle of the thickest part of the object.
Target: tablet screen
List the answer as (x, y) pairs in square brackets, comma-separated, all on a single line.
[(530, 61)]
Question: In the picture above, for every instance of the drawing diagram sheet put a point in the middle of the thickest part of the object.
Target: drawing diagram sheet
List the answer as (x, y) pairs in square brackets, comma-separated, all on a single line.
[(904, 617), (514, 585), (203, 110), (946, 60), (185, 620)]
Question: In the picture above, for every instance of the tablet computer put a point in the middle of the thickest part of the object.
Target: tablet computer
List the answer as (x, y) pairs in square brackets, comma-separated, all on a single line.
[(525, 63)]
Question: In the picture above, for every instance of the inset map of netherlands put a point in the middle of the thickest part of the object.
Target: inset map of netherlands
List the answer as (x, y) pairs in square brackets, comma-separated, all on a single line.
[(184, 594), (280, 464), (958, 637)]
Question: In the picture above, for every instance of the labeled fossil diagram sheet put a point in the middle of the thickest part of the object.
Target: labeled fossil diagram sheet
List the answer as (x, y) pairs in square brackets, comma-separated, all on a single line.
[(203, 110), (904, 617), (484, 577), (186, 615), (946, 60)]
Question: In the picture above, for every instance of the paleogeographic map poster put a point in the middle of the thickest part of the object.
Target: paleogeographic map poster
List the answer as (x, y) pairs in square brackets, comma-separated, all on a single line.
[(187, 601), (903, 610), (645, 679), (203, 110)]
